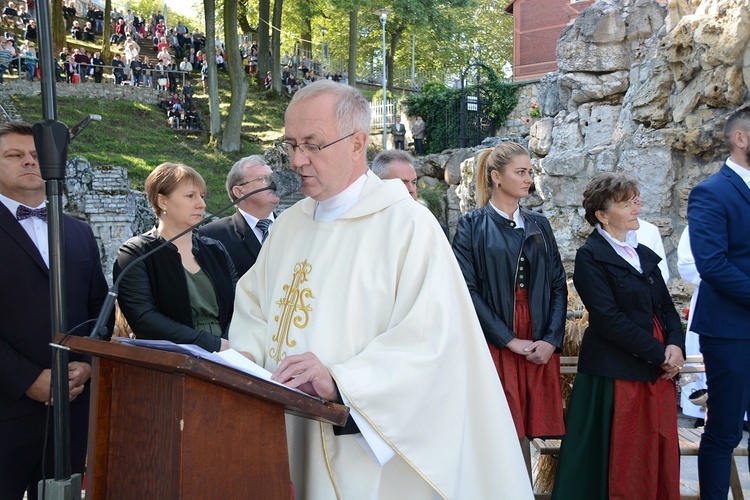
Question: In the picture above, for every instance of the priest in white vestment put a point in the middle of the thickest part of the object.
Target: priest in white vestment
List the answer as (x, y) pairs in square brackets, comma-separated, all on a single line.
[(356, 297)]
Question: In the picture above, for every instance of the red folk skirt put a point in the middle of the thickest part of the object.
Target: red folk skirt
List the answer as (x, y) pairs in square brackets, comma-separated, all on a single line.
[(533, 391), (621, 440), (645, 461)]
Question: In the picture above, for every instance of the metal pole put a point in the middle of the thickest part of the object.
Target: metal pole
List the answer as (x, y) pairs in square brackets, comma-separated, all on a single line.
[(383, 18), (413, 57), (51, 140)]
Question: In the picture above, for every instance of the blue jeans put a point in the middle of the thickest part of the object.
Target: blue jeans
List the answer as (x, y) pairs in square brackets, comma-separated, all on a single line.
[(3, 69), (728, 382), (31, 70)]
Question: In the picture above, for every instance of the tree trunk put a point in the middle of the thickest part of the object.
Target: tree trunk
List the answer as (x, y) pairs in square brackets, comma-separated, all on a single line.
[(57, 24), (276, 46), (209, 7), (242, 17), (352, 70), (307, 39), (107, 32), (264, 14), (237, 81), (395, 38)]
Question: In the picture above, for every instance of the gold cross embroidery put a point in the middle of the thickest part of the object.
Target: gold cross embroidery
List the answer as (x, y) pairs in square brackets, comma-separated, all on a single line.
[(294, 311)]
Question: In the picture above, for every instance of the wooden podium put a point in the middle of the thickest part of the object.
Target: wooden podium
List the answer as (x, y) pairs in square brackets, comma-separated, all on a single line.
[(166, 425)]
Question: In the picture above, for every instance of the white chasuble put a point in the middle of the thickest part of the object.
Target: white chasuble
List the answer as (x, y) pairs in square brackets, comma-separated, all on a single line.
[(378, 296)]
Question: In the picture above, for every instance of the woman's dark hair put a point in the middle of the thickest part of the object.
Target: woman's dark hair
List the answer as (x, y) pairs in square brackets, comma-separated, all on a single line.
[(606, 189)]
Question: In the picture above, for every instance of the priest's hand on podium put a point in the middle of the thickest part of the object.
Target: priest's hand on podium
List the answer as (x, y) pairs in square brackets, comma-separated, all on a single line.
[(308, 374)]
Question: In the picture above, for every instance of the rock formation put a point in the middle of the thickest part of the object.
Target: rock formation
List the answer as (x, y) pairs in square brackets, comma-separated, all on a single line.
[(644, 88)]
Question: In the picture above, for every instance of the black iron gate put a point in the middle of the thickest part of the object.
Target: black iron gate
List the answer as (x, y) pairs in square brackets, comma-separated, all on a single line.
[(476, 124)]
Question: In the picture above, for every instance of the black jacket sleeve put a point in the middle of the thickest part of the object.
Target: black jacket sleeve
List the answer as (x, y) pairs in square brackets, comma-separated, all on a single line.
[(137, 302), (495, 330)]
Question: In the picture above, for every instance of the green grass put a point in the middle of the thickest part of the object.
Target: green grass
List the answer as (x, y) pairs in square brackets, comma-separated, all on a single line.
[(136, 136)]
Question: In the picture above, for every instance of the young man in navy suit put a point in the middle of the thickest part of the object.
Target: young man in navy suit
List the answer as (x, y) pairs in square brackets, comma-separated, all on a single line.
[(244, 232), (719, 219), (25, 324)]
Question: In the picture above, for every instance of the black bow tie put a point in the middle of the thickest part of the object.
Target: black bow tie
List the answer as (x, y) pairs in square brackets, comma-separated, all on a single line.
[(25, 212)]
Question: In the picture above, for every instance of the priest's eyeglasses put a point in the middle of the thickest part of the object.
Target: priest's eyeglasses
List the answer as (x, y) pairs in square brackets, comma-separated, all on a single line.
[(264, 179), (288, 149)]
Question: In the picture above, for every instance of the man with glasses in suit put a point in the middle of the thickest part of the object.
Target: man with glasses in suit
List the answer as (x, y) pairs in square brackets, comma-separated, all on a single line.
[(244, 232)]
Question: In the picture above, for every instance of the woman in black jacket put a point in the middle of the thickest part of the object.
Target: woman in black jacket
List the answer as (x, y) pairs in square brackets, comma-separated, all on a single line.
[(621, 439), (185, 291), (512, 267)]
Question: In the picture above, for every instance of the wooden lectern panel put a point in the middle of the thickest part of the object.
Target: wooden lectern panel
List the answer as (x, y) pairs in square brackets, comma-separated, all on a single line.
[(167, 426), (197, 441)]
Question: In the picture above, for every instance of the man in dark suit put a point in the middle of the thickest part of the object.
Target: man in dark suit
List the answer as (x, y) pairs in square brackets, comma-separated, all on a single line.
[(398, 131), (25, 318), (244, 232), (719, 218)]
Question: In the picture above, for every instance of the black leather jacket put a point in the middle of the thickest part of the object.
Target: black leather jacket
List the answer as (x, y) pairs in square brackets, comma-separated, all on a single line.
[(489, 259), (154, 294)]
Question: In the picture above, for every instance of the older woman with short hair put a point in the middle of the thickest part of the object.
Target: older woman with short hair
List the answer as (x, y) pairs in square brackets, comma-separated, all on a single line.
[(185, 291), (621, 426)]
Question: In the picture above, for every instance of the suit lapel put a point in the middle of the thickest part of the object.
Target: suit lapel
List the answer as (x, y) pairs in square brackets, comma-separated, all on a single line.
[(16, 232), (246, 234), (737, 182)]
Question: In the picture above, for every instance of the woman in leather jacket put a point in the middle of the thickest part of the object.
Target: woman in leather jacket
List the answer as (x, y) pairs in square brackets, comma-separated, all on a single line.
[(515, 276), (185, 291), (621, 439)]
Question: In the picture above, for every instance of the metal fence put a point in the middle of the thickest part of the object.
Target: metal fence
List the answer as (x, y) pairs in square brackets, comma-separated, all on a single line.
[(392, 110)]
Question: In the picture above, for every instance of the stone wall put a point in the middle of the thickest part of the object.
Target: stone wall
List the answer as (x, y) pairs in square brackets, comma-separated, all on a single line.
[(519, 120), (643, 88), (103, 198), (91, 90)]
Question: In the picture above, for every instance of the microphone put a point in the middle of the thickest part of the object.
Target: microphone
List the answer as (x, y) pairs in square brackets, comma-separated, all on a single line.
[(283, 182), (78, 127)]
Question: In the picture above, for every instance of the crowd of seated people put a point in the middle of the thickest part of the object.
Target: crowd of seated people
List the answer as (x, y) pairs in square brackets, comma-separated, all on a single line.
[(180, 51), (177, 49), (181, 111)]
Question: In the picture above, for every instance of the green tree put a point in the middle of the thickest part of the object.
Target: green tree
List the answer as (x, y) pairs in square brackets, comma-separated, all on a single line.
[(107, 31), (352, 62), (213, 79), (57, 26), (264, 42), (278, 10), (237, 81), (242, 16)]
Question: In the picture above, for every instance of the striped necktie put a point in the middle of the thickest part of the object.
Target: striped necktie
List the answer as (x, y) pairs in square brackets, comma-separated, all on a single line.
[(263, 226)]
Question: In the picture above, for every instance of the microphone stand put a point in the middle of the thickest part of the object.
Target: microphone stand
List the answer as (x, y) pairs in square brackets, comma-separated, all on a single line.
[(51, 138), (100, 329)]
